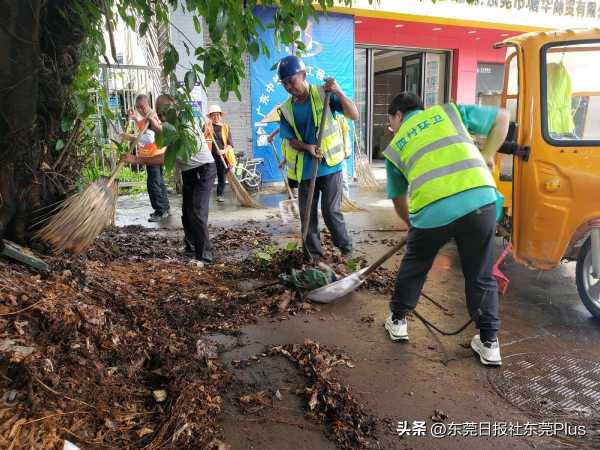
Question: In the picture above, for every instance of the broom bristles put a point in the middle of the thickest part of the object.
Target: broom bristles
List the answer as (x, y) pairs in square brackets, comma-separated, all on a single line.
[(241, 194), (349, 205), (364, 173), (83, 217)]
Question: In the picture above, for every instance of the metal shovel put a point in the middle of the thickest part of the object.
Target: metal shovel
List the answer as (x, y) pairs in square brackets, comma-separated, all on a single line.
[(340, 288), (288, 208)]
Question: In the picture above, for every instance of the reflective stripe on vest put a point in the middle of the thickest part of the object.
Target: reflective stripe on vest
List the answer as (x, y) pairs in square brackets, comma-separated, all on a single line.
[(293, 160), (437, 156), (332, 144)]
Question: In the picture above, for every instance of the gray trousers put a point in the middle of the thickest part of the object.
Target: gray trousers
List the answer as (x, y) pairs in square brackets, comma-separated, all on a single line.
[(328, 188)]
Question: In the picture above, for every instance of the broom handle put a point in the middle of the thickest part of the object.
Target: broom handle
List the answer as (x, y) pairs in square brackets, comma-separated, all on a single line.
[(283, 174), (315, 168), (132, 146), (373, 267)]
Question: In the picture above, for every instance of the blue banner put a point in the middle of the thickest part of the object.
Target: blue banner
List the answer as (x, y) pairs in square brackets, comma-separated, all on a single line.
[(329, 53)]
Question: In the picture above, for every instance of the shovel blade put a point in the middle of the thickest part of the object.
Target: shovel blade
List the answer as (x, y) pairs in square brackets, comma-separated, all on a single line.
[(337, 289)]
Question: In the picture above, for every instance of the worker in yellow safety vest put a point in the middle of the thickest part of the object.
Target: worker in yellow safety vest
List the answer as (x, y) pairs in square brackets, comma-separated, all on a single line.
[(299, 123), (442, 187)]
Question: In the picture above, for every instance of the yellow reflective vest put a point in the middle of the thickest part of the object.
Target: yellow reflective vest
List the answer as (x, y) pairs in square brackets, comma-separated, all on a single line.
[(437, 156), (332, 144), (560, 118)]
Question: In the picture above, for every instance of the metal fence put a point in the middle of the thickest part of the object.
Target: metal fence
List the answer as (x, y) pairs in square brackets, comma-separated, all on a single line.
[(121, 85)]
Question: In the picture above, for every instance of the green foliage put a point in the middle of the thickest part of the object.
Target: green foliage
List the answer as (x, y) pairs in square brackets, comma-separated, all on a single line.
[(292, 246), (233, 30), (263, 257), (353, 265)]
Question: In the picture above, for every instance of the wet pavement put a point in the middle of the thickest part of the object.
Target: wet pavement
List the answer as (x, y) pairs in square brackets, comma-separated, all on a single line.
[(541, 314)]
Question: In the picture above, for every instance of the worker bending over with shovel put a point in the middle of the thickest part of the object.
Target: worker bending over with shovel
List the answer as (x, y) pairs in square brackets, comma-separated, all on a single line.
[(300, 118), (442, 187)]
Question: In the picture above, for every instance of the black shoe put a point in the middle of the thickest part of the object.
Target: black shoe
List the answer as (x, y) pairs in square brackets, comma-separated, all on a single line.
[(187, 251)]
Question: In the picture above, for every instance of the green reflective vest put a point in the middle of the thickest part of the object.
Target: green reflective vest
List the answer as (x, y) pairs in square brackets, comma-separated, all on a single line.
[(332, 144), (437, 156)]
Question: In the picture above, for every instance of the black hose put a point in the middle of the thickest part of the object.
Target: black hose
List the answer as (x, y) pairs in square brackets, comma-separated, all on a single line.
[(448, 333)]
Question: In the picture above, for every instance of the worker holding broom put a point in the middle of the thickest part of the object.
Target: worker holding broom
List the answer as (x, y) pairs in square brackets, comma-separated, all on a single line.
[(198, 173), (300, 119), (157, 190), (442, 187), (219, 131)]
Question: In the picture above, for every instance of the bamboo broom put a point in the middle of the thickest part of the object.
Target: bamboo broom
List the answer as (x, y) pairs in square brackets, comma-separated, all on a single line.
[(348, 205), (86, 214), (364, 173), (238, 190)]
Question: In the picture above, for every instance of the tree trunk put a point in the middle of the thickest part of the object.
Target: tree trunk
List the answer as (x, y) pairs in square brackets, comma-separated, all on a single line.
[(39, 53), (19, 74)]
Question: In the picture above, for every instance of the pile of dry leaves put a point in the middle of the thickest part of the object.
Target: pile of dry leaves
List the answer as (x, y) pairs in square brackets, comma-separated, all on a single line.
[(328, 401), (104, 350)]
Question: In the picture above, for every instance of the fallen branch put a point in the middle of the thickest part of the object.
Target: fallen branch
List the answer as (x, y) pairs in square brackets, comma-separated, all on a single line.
[(24, 309), (48, 388)]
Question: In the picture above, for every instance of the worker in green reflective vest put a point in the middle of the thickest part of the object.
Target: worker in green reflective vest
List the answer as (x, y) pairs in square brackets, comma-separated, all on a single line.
[(299, 124), (442, 186)]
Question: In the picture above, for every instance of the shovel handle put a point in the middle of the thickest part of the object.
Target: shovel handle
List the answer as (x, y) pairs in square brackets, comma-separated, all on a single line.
[(283, 174), (373, 267), (315, 168)]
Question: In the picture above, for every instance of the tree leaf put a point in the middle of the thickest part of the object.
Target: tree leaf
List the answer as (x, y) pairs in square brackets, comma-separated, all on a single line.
[(143, 28), (253, 49), (171, 154), (172, 117), (190, 80), (264, 256), (220, 24), (167, 136), (60, 144), (66, 124), (197, 25)]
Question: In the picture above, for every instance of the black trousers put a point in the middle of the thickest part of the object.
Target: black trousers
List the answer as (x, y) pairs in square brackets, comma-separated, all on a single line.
[(474, 236), (197, 186), (329, 189), (221, 169), (157, 191)]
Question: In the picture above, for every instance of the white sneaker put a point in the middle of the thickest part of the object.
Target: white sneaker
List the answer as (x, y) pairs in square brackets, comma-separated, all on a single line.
[(397, 329), (489, 352)]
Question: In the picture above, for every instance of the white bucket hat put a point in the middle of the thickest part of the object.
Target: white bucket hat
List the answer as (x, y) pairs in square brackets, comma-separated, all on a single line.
[(214, 109)]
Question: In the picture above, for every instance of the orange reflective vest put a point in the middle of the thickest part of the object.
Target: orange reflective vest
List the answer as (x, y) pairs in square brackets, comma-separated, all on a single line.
[(229, 151), (150, 149)]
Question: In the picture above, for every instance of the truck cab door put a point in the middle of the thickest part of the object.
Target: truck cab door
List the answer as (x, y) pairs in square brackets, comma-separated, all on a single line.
[(556, 172)]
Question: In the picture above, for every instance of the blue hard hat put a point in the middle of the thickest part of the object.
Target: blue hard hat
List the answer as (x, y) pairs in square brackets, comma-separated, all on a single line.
[(290, 65)]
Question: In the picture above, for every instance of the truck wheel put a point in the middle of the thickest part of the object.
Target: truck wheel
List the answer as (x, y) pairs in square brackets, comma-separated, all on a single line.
[(588, 287)]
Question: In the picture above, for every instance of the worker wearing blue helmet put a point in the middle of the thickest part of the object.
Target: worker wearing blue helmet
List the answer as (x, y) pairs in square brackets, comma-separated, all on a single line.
[(300, 119)]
